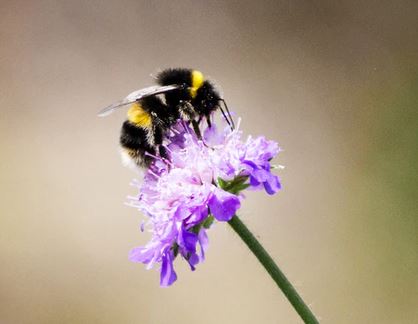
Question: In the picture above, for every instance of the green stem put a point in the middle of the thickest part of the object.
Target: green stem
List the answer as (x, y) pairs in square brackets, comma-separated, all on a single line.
[(274, 271)]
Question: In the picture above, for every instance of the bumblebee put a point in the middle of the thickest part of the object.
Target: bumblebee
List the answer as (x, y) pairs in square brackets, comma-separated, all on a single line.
[(180, 94)]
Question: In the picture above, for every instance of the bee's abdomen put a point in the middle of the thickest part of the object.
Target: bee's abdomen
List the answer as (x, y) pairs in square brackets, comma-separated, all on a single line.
[(133, 137), (135, 142)]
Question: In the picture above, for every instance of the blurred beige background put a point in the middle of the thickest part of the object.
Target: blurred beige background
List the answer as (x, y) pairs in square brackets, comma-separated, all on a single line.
[(335, 84)]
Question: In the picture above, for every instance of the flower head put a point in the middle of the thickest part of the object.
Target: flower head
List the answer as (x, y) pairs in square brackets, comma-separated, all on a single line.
[(200, 182)]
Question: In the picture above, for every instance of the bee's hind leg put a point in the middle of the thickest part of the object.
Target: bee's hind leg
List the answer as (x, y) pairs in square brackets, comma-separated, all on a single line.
[(158, 141)]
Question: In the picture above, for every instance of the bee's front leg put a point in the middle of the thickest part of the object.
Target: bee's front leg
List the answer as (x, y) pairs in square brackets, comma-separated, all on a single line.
[(187, 111)]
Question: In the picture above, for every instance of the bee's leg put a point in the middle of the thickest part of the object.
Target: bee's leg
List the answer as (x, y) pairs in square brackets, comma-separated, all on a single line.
[(187, 111), (163, 152), (158, 141), (196, 129), (208, 121)]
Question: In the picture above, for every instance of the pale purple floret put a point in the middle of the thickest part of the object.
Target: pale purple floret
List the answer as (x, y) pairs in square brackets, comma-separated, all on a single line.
[(223, 205), (180, 194)]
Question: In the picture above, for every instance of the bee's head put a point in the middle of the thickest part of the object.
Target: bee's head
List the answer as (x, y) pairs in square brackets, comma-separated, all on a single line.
[(206, 100)]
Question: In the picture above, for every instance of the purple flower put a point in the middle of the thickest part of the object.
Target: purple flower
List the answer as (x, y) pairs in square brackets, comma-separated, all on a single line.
[(201, 181)]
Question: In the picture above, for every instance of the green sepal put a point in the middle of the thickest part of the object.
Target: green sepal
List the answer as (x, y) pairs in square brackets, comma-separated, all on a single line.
[(238, 188), (175, 249), (222, 183), (235, 185), (208, 221), (195, 229)]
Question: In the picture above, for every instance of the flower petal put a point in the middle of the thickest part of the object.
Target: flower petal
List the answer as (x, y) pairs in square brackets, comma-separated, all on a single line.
[(223, 205), (141, 254), (187, 240), (204, 243), (168, 275), (272, 185)]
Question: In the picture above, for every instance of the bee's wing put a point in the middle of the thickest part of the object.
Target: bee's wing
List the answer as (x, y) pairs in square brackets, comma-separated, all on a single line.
[(137, 95)]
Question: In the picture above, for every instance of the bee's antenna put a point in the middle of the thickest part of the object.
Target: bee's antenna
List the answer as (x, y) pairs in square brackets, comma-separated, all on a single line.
[(225, 117), (229, 120), (229, 114)]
